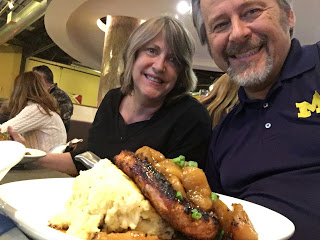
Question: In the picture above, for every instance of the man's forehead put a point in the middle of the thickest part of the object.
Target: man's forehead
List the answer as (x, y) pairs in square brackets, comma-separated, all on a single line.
[(216, 3)]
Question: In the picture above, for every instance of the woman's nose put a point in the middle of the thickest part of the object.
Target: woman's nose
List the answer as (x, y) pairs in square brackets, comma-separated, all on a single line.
[(240, 31), (159, 64)]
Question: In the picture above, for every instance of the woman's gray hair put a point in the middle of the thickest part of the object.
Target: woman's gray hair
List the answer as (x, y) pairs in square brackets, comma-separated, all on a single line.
[(199, 23), (179, 41)]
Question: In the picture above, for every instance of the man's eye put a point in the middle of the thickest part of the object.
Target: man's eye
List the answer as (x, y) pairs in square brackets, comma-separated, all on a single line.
[(253, 12), (220, 26)]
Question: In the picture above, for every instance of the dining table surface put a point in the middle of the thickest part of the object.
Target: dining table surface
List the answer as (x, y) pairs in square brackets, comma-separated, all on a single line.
[(8, 230)]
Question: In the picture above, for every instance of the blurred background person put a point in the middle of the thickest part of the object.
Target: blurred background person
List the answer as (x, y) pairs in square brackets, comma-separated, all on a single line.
[(35, 113), (64, 101), (153, 107), (221, 99), (4, 112)]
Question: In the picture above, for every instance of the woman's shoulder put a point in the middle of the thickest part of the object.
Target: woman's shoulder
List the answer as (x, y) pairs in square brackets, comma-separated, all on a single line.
[(189, 103), (112, 95), (36, 108), (187, 108), (115, 92), (32, 106)]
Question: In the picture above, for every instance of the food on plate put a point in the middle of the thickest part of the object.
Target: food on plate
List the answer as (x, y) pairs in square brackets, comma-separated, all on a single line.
[(104, 199), (130, 235), (180, 193), (163, 197), (4, 136), (27, 153), (154, 198)]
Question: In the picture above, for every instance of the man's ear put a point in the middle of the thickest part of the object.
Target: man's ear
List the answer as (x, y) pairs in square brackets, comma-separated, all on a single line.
[(292, 19)]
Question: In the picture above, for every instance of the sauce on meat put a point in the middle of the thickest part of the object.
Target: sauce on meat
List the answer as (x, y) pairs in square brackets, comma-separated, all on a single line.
[(192, 183)]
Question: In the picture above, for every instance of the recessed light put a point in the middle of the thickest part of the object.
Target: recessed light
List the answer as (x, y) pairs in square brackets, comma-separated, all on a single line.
[(183, 7)]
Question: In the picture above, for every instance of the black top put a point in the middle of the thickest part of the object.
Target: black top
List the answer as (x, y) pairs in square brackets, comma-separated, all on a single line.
[(268, 151), (180, 128), (65, 104)]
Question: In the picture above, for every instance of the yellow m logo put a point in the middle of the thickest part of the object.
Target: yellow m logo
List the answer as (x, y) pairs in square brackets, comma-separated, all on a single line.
[(306, 108)]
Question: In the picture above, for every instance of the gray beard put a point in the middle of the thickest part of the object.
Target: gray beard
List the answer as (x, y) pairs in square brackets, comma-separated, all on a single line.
[(251, 78)]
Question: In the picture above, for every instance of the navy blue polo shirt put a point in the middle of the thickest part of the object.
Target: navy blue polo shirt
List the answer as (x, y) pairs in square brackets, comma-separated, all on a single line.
[(268, 151)]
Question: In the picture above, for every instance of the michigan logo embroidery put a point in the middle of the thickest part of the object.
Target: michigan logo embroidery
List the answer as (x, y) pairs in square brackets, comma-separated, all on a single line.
[(306, 108)]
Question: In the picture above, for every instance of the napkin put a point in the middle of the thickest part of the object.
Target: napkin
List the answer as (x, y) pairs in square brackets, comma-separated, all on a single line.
[(5, 224)]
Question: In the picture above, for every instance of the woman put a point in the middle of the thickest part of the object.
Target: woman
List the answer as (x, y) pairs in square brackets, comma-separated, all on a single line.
[(34, 113), (221, 99), (153, 106)]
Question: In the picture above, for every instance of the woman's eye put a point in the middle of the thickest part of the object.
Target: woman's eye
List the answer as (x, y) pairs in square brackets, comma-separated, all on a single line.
[(174, 61), (151, 50)]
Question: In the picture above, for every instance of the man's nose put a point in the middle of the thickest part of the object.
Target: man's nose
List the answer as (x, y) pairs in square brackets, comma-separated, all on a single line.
[(240, 31)]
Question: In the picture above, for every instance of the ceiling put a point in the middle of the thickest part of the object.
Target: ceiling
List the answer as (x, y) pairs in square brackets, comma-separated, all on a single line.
[(72, 25), (68, 32), (34, 39)]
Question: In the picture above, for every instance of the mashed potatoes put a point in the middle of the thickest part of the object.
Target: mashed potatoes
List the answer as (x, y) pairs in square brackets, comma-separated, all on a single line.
[(105, 199)]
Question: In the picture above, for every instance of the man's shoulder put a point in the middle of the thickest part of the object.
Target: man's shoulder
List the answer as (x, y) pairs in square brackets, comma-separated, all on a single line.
[(59, 94), (226, 121)]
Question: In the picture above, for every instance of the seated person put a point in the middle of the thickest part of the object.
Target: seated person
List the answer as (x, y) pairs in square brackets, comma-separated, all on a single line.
[(64, 102), (35, 114), (153, 107), (266, 149), (4, 112)]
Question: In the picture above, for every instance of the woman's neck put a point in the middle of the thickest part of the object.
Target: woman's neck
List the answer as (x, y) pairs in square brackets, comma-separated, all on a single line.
[(135, 110)]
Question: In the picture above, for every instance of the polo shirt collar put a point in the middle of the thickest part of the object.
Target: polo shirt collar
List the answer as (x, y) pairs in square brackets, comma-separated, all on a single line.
[(298, 61)]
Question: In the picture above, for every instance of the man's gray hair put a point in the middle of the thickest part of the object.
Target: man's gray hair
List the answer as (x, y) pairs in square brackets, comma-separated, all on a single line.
[(199, 23)]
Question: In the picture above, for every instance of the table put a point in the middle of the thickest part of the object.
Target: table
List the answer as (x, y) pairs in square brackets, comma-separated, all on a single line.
[(31, 171), (24, 172)]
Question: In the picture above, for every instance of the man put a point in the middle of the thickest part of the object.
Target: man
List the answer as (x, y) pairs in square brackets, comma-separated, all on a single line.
[(64, 101), (267, 149)]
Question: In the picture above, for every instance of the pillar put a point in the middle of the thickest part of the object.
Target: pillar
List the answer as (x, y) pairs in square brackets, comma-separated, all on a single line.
[(118, 30)]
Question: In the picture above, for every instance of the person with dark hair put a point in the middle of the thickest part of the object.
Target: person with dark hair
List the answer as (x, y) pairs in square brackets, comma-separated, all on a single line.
[(153, 107), (64, 101), (34, 113), (266, 149)]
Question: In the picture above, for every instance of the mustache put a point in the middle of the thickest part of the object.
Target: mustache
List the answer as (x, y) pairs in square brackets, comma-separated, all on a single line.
[(234, 48)]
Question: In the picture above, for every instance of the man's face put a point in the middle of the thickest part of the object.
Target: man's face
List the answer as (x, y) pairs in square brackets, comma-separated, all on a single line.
[(249, 39)]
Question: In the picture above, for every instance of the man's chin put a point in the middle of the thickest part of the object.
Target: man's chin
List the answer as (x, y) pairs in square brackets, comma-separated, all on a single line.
[(247, 79)]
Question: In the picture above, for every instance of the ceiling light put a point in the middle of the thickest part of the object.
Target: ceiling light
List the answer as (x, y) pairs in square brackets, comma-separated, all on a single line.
[(10, 4), (104, 23), (101, 25), (183, 7), (10, 19)]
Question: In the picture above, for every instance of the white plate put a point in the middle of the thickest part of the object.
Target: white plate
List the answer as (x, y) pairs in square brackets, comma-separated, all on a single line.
[(32, 203), (59, 149), (35, 155), (11, 153)]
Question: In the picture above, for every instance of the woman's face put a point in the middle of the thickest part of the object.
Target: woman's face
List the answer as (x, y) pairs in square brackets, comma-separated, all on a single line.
[(155, 71)]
